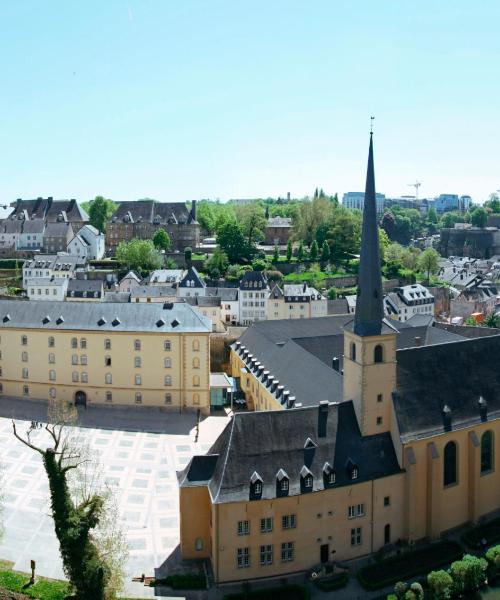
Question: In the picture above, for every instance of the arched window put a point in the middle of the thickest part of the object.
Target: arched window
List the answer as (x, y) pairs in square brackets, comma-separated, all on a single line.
[(52, 358), (378, 354), (52, 375), (74, 343), (52, 342), (387, 534), (75, 376), (167, 362), (487, 452), (450, 464), (353, 351), (196, 363), (137, 344), (137, 362), (108, 378), (167, 345), (138, 398), (85, 377), (168, 398), (52, 392), (196, 399), (196, 345), (198, 545), (107, 344), (196, 380)]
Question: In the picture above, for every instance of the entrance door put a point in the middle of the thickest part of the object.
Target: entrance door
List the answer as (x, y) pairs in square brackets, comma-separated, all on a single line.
[(81, 399), (324, 553)]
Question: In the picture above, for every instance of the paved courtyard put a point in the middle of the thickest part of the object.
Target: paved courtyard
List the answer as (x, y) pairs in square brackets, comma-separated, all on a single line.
[(140, 467)]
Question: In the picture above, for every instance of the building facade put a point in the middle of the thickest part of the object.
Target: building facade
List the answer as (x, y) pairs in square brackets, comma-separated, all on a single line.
[(296, 302), (407, 301), (278, 231), (98, 353)]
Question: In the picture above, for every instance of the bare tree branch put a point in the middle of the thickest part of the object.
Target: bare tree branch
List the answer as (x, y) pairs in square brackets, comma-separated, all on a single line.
[(25, 442)]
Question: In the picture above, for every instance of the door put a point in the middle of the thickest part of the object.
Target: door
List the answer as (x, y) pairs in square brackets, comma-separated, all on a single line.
[(81, 399), (324, 553)]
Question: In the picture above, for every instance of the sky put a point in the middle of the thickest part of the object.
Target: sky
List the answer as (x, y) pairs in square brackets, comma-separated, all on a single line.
[(191, 99)]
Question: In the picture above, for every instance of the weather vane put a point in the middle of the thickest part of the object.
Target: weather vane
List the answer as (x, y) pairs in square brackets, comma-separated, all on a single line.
[(371, 124)]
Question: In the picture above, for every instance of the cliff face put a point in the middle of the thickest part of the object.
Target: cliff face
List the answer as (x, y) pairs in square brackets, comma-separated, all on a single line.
[(474, 242)]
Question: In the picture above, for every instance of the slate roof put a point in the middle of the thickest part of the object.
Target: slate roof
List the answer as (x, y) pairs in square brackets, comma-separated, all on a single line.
[(49, 209), (153, 212), (338, 306), (153, 291), (85, 285), (192, 279), (61, 229), (456, 375), (34, 226), (282, 436), (253, 280), (117, 297), (86, 316), (53, 261)]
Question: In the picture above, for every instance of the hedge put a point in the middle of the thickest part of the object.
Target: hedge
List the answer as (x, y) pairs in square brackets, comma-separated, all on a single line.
[(11, 263), (409, 564), (287, 592), (189, 581), (489, 531), (335, 582)]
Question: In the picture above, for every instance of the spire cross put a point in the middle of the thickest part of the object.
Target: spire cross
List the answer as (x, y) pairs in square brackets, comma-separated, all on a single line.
[(371, 124)]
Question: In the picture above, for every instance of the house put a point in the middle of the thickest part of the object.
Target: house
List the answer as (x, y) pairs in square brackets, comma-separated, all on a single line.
[(209, 307), (85, 290), (57, 236), (50, 211), (47, 288), (46, 266), (296, 302), (88, 243), (358, 441), (171, 277), (31, 236), (10, 231), (97, 353), (129, 282), (153, 293), (230, 306), (191, 285), (253, 297), (407, 301), (278, 231)]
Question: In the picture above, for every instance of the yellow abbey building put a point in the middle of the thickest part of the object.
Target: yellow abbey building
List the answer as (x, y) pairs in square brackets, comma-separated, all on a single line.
[(402, 447), (105, 353)]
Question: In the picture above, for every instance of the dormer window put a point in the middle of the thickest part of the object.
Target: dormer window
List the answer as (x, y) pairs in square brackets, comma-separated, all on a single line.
[(329, 475), (255, 486), (352, 469), (354, 473), (308, 481), (331, 478), (284, 485)]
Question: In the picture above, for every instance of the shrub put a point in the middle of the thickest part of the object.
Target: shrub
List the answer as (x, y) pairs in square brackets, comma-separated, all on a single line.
[(468, 574), (493, 558), (441, 584), (335, 582), (417, 590), (400, 589)]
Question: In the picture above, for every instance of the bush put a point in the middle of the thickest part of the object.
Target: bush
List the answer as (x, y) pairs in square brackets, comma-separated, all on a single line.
[(468, 574), (489, 532), (189, 581), (493, 558), (11, 263), (441, 585), (335, 582), (287, 592), (405, 566)]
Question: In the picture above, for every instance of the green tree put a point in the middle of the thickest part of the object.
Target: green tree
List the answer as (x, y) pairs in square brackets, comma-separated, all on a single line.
[(344, 234), (252, 220), (140, 255), (432, 215), (301, 252), (161, 240), (492, 320), (216, 266), (383, 242), (449, 219), (232, 241), (310, 216), (428, 262), (314, 251), (260, 264), (289, 251), (441, 585), (468, 574), (325, 252), (100, 210), (332, 293), (479, 217), (400, 590), (188, 255), (493, 203), (276, 254)]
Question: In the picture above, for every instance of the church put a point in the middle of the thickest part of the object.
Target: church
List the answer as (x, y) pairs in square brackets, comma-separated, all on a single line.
[(385, 440)]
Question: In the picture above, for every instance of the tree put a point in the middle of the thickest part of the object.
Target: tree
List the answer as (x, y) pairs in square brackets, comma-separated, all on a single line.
[(493, 203), (161, 240), (383, 242), (400, 590), (468, 574), (216, 266), (252, 221), (428, 262), (310, 216), (188, 255), (479, 217), (492, 320), (432, 215), (289, 251), (137, 254), (344, 234), (301, 252), (325, 252), (100, 210), (231, 240), (314, 251), (388, 224), (441, 585), (260, 264), (77, 512), (276, 254), (449, 219), (332, 293)]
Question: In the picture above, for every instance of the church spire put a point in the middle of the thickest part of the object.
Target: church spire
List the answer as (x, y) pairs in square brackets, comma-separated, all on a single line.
[(369, 301)]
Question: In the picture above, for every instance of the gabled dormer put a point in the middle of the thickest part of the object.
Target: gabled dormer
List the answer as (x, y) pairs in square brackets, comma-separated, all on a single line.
[(329, 475), (282, 483), (256, 485), (306, 480), (352, 469)]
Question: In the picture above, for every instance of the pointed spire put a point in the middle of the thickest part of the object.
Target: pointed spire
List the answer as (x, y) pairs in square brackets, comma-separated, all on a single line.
[(369, 302)]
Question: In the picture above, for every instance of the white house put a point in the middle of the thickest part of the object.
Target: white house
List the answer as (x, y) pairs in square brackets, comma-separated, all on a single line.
[(47, 288), (407, 301), (191, 285), (230, 306), (31, 236), (253, 297), (88, 243), (129, 282), (46, 266)]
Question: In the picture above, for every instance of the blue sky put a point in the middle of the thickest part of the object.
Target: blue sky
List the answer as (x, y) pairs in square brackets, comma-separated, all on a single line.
[(186, 99)]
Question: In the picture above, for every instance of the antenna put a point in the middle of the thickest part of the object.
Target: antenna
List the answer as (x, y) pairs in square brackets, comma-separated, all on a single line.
[(416, 185)]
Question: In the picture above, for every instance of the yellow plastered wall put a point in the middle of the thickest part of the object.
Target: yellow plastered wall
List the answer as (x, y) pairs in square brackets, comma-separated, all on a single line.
[(195, 519)]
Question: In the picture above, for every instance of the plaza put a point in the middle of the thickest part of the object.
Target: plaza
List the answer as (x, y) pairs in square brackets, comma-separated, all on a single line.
[(139, 466)]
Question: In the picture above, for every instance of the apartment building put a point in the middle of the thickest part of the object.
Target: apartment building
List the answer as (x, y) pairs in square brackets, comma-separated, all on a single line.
[(296, 302)]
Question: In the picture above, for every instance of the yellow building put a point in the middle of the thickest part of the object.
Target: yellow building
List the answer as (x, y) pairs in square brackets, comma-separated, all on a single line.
[(296, 301), (97, 353), (402, 448)]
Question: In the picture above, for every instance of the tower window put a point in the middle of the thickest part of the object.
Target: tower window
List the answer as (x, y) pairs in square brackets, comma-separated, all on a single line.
[(450, 464), (378, 354), (487, 452), (353, 351)]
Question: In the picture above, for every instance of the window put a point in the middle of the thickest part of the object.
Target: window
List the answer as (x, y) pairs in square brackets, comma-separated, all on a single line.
[(137, 362), (167, 345), (380, 397), (243, 527), (356, 536), (196, 399), (284, 485), (287, 552), (266, 554), (52, 342), (52, 392), (196, 380), (308, 481), (196, 363), (168, 380), (108, 378), (85, 377), (24, 340), (52, 375), (243, 558), (52, 358), (387, 534), (107, 361), (379, 420), (198, 545), (450, 464), (26, 390), (137, 344), (74, 359), (1, 388), (487, 452), (354, 473), (387, 500), (75, 376), (288, 521), (138, 398), (331, 477), (257, 488), (83, 359), (83, 343), (167, 362), (196, 345), (25, 373), (356, 510), (353, 351), (24, 357), (74, 343), (109, 397), (138, 380), (168, 398), (266, 524), (378, 354), (107, 344)]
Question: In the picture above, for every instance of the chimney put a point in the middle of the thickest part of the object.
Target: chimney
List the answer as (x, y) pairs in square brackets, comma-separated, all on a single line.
[(322, 417), (291, 402), (193, 210), (279, 390), (270, 380), (446, 417), (483, 409), (274, 385), (418, 340), (304, 287), (335, 363)]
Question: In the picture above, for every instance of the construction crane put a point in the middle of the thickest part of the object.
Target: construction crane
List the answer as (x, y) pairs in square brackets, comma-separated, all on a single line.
[(416, 185)]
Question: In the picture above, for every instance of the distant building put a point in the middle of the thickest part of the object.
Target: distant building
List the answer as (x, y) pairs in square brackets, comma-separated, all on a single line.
[(47, 288), (88, 243), (50, 211), (47, 266), (85, 290), (57, 236), (407, 301), (31, 236), (447, 202), (129, 282), (357, 200), (153, 293), (296, 302), (191, 285), (278, 231), (169, 277), (253, 297)]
